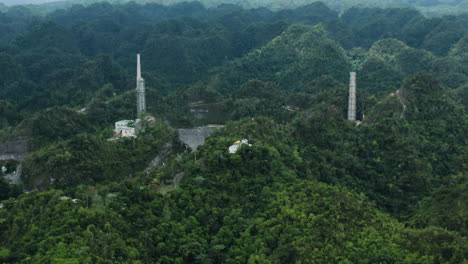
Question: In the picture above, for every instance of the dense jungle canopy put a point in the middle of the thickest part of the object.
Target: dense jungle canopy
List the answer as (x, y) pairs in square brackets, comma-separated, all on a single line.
[(313, 187)]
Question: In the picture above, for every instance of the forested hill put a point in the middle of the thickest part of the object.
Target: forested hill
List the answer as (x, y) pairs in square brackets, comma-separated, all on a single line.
[(309, 187), (70, 56)]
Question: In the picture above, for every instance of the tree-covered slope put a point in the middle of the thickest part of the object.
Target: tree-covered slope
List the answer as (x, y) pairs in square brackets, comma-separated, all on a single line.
[(263, 204), (44, 60), (294, 58), (312, 187)]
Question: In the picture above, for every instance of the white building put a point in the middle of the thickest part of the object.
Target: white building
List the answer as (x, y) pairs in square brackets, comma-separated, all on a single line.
[(236, 145), (122, 124), (124, 128), (127, 132)]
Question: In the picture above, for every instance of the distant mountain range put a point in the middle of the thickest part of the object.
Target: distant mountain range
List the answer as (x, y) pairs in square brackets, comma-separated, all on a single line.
[(428, 7)]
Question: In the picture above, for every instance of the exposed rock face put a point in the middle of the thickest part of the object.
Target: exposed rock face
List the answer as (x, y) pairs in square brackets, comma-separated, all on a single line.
[(195, 137)]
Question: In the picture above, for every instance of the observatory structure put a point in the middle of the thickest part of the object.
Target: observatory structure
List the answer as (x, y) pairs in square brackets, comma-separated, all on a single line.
[(352, 97), (140, 90)]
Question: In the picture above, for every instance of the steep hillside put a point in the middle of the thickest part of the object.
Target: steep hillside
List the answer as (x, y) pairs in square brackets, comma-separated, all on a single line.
[(294, 58), (285, 179), (267, 202)]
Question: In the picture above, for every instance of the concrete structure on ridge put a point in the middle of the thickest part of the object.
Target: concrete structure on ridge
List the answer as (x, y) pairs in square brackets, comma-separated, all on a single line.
[(124, 128), (352, 97), (140, 90)]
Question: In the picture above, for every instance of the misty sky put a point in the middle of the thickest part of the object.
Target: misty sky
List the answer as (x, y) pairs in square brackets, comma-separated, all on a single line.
[(22, 2)]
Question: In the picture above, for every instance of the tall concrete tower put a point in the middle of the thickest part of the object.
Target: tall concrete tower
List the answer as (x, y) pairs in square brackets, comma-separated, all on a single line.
[(140, 89), (352, 97)]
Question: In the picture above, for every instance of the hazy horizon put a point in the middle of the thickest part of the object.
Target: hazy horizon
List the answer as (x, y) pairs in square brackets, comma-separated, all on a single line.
[(25, 2), (436, 9)]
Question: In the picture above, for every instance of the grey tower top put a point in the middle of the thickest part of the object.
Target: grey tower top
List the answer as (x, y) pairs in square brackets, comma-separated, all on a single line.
[(140, 89)]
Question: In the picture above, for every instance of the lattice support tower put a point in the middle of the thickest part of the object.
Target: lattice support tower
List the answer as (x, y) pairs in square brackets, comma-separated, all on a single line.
[(352, 97), (140, 90)]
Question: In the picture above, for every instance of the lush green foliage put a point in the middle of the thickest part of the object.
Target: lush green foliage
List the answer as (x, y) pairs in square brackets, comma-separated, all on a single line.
[(87, 159), (312, 188)]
